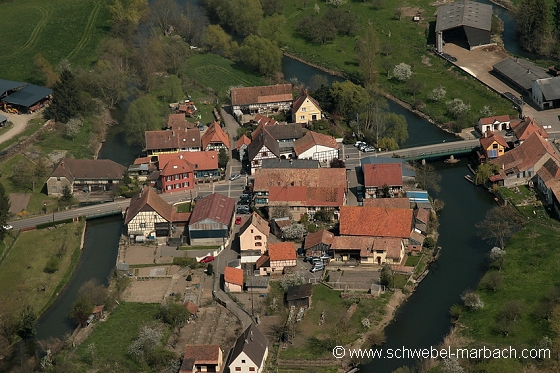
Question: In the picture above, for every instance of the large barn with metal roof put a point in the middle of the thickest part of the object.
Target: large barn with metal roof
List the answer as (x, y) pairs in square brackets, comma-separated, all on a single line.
[(465, 23), (20, 97)]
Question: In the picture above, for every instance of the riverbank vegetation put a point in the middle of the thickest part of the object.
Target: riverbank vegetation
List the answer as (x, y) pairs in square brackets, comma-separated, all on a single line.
[(34, 268)]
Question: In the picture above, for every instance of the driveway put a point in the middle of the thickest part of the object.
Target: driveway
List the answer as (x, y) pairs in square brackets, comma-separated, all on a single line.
[(19, 123)]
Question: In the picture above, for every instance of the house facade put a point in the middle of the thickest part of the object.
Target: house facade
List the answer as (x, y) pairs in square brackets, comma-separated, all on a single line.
[(253, 235), (204, 164), (497, 123), (176, 176), (547, 181), (261, 148), (317, 146), (276, 258), (172, 141), (249, 352), (303, 191), (233, 279), (211, 220), (493, 145), (148, 215), (215, 138), (84, 175), (201, 358), (546, 93), (519, 165), (241, 145), (382, 178), (318, 243), (305, 109), (262, 99)]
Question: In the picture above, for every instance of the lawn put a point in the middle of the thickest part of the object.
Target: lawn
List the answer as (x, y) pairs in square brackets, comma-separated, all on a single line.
[(217, 74), (32, 127), (393, 34), (529, 274), (342, 325), (183, 207), (59, 29), (113, 337), (24, 281)]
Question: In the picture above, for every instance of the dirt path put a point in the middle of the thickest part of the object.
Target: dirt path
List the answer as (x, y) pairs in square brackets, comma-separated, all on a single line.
[(19, 123)]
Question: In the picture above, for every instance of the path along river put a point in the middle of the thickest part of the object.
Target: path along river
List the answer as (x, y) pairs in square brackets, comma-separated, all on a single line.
[(422, 321)]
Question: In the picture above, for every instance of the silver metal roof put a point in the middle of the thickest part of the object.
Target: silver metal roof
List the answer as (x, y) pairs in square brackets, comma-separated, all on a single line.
[(464, 13), (521, 71), (550, 88)]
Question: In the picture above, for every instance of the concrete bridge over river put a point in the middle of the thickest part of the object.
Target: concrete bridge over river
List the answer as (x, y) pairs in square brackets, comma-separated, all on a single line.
[(443, 149)]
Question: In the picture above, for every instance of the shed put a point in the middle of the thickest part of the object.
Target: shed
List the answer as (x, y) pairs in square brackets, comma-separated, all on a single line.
[(300, 295), (28, 97), (3, 120), (519, 73), (465, 23), (211, 220), (257, 284), (98, 312)]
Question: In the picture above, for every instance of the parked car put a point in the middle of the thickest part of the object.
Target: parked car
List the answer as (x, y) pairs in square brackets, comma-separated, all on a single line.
[(241, 210), (197, 198), (308, 259), (7, 227), (369, 149), (245, 195), (325, 257), (243, 171), (207, 259), (234, 177), (509, 133), (238, 220), (359, 143), (316, 261), (317, 268)]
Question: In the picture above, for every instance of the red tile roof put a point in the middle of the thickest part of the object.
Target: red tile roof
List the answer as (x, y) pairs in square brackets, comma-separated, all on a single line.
[(178, 122), (282, 251), (490, 137), (214, 135), (142, 160), (214, 207), (499, 119), (258, 222), (312, 139), (377, 175), (348, 243), (200, 161), (88, 169), (261, 94), (242, 140), (262, 120), (392, 246), (263, 261), (390, 203), (233, 275), (322, 236), (172, 139), (523, 129), (301, 99), (203, 354), (422, 215), (526, 155), (317, 177), (307, 196), (176, 166), (375, 221)]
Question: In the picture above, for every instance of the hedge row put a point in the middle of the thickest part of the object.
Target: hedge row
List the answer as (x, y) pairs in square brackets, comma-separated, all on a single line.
[(53, 223)]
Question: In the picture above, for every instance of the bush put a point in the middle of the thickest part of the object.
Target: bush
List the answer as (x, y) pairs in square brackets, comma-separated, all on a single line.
[(52, 265), (189, 278), (429, 243), (53, 223), (185, 262)]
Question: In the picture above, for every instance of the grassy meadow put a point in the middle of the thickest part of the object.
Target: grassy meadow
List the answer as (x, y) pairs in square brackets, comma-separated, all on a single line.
[(529, 274), (218, 74), (401, 40), (59, 29), (113, 337), (22, 270)]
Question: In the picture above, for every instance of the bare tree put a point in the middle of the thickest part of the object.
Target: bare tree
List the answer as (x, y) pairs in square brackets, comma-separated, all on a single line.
[(499, 224), (427, 177)]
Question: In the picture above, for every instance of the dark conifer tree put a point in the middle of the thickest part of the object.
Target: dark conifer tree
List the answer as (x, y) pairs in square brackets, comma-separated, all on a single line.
[(66, 102)]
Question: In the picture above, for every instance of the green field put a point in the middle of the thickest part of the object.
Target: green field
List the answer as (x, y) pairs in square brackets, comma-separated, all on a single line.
[(529, 275), (59, 29), (405, 42), (113, 337), (22, 272), (218, 74)]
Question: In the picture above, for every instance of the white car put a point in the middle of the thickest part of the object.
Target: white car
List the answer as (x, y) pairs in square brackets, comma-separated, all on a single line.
[(235, 177), (359, 143), (7, 227), (368, 149)]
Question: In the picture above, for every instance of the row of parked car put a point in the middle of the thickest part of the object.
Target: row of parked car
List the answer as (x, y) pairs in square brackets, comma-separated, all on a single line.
[(245, 200), (364, 147), (317, 263)]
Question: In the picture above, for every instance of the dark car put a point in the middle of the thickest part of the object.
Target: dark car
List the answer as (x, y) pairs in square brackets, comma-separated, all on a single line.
[(207, 259), (197, 198), (308, 259)]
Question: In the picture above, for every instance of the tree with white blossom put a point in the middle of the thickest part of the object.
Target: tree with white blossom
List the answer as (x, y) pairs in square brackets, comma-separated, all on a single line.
[(402, 71)]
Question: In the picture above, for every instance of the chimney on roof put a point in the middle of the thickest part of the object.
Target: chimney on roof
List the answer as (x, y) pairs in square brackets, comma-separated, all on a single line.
[(180, 156), (528, 71), (251, 335)]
